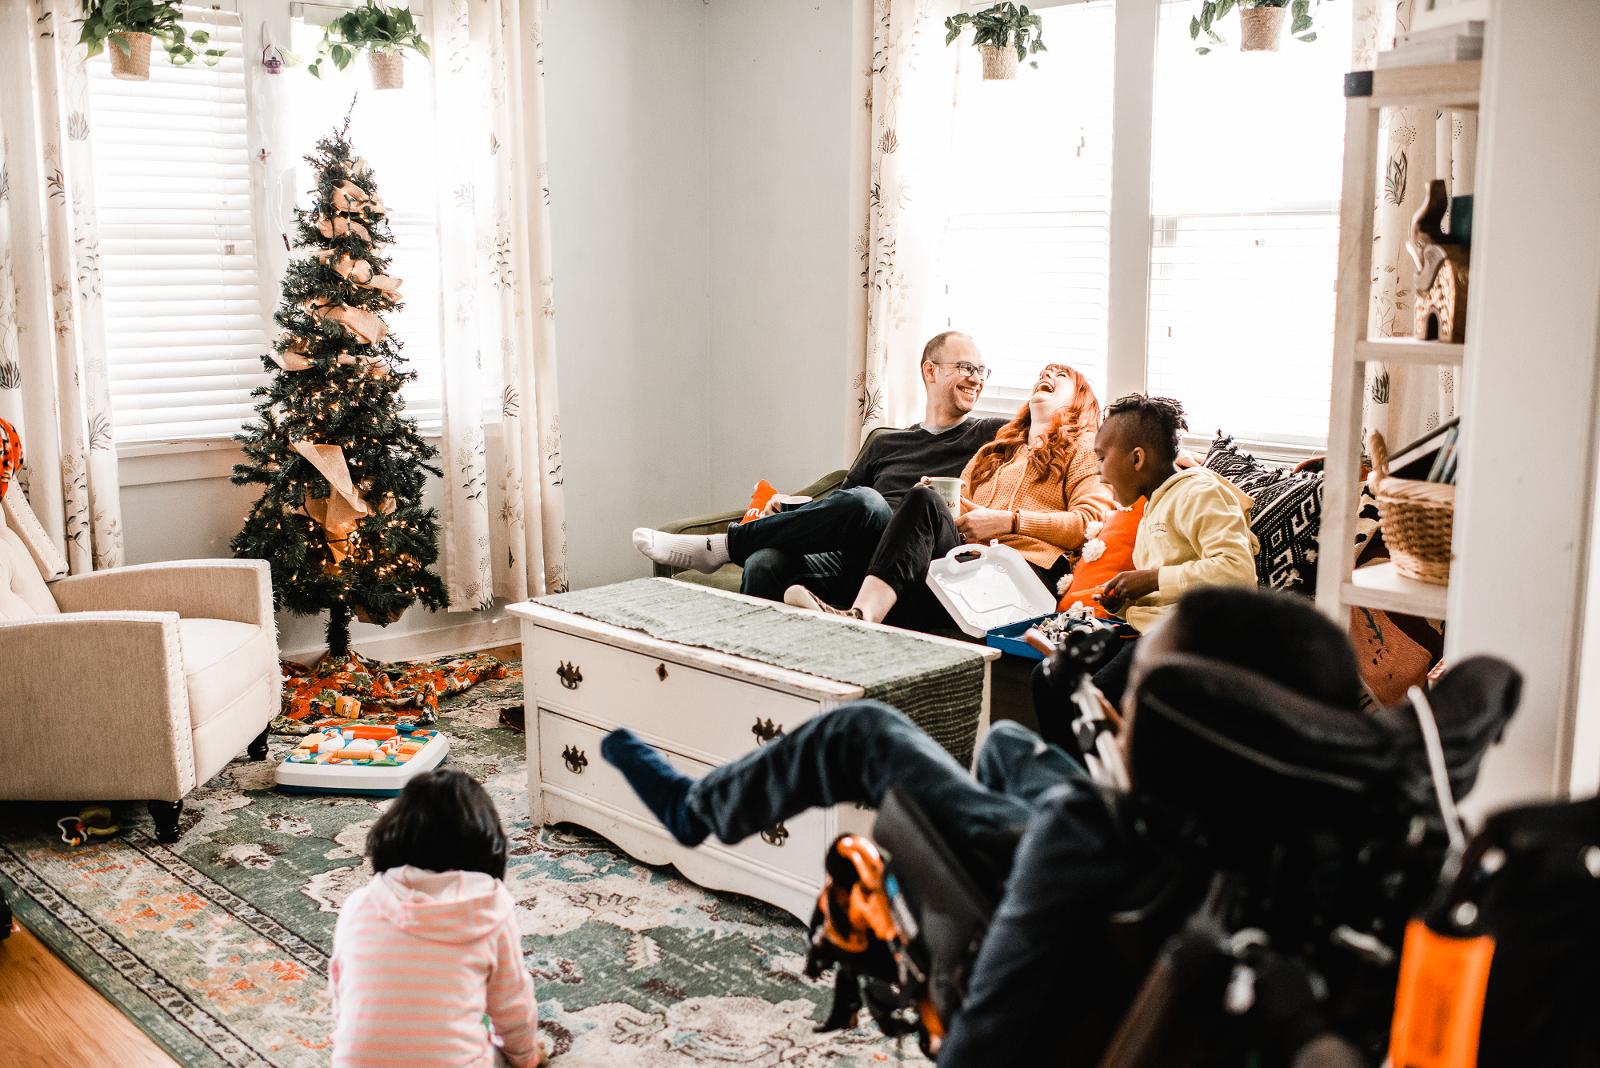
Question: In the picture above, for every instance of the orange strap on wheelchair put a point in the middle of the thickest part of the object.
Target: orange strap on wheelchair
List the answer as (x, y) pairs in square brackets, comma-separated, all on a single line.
[(868, 901), (1438, 1006)]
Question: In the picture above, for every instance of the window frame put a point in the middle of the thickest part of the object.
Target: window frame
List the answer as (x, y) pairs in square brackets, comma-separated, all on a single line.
[(1135, 45)]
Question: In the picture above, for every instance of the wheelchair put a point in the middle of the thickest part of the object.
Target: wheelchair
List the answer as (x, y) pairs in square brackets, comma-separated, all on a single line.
[(1274, 832)]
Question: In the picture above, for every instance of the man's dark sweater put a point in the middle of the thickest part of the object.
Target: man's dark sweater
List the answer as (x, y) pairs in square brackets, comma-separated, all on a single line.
[(897, 459)]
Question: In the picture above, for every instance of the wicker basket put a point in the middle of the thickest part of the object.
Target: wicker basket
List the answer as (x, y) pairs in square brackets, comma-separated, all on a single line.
[(388, 70), (1261, 28), (999, 64), (1416, 519), (135, 66)]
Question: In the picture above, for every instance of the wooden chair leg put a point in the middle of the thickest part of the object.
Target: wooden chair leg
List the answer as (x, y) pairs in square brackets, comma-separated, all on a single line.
[(258, 748), (165, 814)]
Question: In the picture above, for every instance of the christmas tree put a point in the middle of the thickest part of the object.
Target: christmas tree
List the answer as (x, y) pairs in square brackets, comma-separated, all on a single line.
[(340, 519)]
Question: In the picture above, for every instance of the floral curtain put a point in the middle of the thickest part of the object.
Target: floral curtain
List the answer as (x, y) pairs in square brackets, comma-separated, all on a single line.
[(906, 88), (1416, 145), (505, 527), (54, 378)]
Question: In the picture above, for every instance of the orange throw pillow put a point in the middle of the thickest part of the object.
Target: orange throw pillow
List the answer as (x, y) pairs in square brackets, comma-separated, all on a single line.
[(758, 500), (1112, 550)]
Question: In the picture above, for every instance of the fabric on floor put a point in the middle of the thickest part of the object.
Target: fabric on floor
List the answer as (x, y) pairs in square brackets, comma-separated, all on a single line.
[(938, 686), (383, 693), (218, 945)]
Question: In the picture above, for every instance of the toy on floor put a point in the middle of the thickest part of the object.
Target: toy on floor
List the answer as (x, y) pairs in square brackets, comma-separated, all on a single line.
[(363, 758), (96, 821)]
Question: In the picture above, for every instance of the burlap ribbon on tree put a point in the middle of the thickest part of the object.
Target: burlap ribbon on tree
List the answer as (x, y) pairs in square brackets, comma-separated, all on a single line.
[(352, 208), (366, 327), (360, 272), (347, 505), (295, 355)]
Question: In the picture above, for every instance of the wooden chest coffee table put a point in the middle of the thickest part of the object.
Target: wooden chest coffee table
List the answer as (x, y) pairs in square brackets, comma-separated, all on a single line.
[(583, 678)]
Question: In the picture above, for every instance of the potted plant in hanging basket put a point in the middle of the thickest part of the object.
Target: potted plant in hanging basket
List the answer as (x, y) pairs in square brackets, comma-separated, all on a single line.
[(1002, 34), (128, 27), (1260, 23), (385, 32)]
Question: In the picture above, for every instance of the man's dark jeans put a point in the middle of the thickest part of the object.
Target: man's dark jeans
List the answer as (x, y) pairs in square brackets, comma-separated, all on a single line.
[(825, 546)]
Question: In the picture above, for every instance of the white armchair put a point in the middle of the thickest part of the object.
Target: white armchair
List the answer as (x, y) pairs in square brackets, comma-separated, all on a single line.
[(132, 683)]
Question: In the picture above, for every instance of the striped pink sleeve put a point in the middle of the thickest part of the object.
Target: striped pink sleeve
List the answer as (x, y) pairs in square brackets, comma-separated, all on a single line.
[(511, 1002)]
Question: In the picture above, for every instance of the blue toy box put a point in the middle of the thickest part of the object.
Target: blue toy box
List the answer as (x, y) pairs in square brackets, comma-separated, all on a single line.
[(992, 593)]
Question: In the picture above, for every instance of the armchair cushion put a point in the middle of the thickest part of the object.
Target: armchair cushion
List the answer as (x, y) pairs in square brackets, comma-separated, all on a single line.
[(23, 593), (222, 660)]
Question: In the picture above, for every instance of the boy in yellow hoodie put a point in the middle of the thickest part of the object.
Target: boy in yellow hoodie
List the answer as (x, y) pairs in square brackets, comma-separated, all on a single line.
[(1196, 526)]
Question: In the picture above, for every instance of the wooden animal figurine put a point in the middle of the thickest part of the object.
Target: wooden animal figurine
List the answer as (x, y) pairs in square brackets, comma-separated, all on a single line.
[(1441, 284)]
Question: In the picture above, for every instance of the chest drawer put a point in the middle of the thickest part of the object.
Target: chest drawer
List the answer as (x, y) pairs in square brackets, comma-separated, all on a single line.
[(692, 711), (570, 760)]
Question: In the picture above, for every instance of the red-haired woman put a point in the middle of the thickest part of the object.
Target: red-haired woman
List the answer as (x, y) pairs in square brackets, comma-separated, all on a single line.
[(1035, 487)]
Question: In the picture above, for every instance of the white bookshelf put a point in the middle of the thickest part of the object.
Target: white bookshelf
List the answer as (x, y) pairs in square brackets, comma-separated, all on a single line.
[(1452, 86)]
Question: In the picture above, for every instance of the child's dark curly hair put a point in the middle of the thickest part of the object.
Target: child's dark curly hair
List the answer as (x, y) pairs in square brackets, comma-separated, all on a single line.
[(1160, 421), (442, 821)]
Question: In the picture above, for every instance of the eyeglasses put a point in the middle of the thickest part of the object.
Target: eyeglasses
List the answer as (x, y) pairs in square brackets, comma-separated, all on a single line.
[(971, 370)]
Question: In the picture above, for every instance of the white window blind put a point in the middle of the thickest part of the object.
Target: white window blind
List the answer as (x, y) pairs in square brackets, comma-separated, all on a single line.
[(1026, 254), (1246, 165), (393, 130), (184, 324)]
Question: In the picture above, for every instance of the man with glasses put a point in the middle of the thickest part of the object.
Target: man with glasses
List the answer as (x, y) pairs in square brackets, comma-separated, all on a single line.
[(827, 544)]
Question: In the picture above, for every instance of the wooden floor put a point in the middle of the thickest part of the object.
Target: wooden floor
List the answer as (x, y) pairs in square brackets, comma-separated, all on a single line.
[(51, 1018)]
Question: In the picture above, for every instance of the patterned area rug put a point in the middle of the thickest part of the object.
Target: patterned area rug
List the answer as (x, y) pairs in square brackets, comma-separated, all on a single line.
[(218, 946)]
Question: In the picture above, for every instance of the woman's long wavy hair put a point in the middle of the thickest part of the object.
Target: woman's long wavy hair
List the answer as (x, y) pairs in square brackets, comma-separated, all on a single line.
[(1069, 427)]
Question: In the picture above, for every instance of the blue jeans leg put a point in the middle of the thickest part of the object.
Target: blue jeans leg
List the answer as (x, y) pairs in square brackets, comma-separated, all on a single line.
[(1018, 763), (856, 752)]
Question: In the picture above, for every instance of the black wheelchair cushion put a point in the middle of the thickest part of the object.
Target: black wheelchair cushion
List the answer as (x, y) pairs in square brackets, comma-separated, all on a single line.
[(1246, 753), (1240, 750)]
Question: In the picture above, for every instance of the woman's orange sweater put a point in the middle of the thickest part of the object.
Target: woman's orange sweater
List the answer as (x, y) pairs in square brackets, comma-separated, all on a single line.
[(1053, 514)]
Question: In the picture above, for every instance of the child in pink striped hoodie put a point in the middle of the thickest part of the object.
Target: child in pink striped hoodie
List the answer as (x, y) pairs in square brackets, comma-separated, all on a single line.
[(422, 952)]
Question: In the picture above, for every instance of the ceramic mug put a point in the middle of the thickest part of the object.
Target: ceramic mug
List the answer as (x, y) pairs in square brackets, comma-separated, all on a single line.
[(949, 491), (790, 503)]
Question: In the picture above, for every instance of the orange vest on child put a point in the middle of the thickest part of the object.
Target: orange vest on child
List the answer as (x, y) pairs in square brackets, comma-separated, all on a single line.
[(1105, 556)]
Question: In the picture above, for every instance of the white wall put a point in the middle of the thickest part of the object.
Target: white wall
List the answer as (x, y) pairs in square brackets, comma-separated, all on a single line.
[(699, 208), (699, 169), (779, 97)]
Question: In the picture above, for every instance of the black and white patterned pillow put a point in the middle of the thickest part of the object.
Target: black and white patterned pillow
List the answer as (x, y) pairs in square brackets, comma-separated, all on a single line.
[(1285, 519), (1287, 516)]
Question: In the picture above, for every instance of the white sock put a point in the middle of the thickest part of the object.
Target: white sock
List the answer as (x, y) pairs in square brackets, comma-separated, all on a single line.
[(703, 552)]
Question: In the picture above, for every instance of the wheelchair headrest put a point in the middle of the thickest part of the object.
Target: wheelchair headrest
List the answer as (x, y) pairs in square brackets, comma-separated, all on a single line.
[(1223, 742), (1472, 703), (1247, 753)]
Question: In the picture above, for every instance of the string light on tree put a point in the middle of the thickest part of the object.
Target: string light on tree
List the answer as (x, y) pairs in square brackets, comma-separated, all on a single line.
[(340, 517)]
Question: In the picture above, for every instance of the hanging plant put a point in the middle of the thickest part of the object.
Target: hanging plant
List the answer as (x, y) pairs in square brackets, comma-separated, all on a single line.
[(1002, 34), (385, 32), (130, 25), (1260, 23)]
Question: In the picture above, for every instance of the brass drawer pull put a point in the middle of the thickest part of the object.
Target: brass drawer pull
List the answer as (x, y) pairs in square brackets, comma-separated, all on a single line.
[(570, 675), (661, 672), (575, 760), (776, 835), (765, 732)]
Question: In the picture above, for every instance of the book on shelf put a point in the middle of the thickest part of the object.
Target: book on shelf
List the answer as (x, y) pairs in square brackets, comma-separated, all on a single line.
[(1442, 456), (1415, 458), (1453, 50)]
